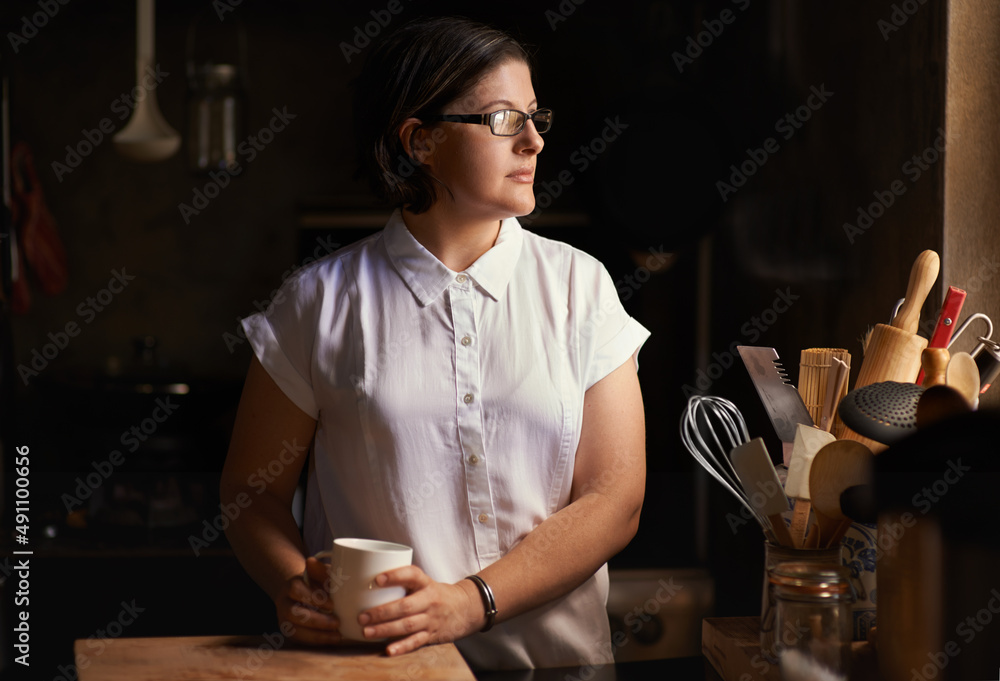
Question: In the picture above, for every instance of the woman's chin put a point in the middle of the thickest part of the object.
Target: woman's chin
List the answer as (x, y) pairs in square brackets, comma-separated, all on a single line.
[(523, 206)]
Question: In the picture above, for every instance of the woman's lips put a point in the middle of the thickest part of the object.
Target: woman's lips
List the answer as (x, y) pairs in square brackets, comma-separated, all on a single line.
[(526, 175)]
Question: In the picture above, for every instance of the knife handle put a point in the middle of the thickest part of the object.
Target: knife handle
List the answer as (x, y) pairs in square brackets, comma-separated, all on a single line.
[(922, 277)]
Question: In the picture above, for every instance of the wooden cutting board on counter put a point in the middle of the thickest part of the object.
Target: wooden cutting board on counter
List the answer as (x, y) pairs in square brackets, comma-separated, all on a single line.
[(253, 657), (732, 647)]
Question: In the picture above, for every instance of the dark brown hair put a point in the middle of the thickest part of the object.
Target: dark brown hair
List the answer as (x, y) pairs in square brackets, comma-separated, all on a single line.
[(417, 70)]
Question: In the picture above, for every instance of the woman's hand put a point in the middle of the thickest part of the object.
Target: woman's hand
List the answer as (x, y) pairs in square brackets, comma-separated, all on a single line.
[(308, 607), (431, 612)]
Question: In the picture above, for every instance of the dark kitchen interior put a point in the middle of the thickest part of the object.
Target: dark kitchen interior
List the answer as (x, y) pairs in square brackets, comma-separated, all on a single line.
[(721, 182)]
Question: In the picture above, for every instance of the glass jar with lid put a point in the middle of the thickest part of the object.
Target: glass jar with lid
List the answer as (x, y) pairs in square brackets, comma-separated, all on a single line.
[(216, 118), (775, 555), (217, 92), (813, 616)]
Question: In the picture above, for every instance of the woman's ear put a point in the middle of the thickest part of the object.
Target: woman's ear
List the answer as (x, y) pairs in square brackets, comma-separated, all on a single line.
[(416, 140)]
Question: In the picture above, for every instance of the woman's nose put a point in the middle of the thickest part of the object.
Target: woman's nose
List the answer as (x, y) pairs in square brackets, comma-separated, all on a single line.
[(529, 139)]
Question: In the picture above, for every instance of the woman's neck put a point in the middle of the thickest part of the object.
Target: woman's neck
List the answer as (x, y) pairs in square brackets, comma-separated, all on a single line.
[(454, 241)]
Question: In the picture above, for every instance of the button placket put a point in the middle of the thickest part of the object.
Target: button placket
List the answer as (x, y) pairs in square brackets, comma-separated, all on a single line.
[(468, 390)]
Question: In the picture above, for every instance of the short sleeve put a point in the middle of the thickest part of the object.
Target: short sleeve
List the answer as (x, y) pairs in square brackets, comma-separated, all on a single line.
[(282, 339), (614, 336)]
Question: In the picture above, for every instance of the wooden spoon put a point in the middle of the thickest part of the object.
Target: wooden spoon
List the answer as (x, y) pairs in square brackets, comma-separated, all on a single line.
[(836, 467), (962, 374)]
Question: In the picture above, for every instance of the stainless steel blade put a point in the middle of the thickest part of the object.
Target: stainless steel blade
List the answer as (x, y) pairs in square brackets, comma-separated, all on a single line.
[(782, 401)]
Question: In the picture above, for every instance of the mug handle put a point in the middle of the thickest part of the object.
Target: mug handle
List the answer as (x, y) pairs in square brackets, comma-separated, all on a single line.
[(318, 556)]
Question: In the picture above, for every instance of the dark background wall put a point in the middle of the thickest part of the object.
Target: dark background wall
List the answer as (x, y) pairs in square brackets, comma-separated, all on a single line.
[(692, 111)]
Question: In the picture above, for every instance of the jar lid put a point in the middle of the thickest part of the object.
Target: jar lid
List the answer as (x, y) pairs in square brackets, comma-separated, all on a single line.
[(811, 580)]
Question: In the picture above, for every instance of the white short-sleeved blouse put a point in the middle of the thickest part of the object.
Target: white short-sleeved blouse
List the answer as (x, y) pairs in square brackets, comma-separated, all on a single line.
[(449, 407)]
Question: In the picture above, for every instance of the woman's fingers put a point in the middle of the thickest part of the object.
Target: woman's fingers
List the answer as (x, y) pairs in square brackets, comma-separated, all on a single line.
[(312, 597), (408, 644), (404, 626), (396, 610), (301, 615), (410, 577), (318, 572), (308, 625), (316, 592), (431, 612), (307, 607)]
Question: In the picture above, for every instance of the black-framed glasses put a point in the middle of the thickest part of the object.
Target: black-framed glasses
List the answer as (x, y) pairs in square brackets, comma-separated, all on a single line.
[(503, 123)]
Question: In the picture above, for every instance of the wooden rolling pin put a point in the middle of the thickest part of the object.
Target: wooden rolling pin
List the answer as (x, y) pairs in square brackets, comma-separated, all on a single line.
[(893, 351)]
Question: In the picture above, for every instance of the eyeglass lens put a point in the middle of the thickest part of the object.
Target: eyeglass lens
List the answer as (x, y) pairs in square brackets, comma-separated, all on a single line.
[(511, 121)]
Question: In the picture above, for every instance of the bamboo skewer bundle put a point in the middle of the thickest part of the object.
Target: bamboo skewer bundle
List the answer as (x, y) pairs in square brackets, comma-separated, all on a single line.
[(814, 373)]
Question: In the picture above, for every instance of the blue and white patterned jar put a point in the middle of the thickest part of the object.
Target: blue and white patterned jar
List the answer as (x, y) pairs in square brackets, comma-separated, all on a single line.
[(859, 551)]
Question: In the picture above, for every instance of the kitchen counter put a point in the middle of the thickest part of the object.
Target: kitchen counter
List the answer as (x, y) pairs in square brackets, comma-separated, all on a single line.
[(675, 669), (241, 657), (730, 646)]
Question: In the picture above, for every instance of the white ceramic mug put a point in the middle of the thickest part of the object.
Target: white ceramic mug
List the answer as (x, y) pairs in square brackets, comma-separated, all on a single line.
[(354, 564)]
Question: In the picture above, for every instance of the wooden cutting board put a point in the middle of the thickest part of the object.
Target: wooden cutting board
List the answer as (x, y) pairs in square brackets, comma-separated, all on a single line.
[(732, 647), (208, 658)]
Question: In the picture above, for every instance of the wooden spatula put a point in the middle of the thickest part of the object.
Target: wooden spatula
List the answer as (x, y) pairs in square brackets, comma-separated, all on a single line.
[(836, 467), (808, 441), (753, 466)]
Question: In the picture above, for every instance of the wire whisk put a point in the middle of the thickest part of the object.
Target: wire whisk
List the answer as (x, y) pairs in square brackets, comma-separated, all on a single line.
[(711, 427)]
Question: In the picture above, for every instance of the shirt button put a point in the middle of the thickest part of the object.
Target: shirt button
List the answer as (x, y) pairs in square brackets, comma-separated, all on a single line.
[(483, 517), (461, 279), (468, 398), (473, 459), (467, 340)]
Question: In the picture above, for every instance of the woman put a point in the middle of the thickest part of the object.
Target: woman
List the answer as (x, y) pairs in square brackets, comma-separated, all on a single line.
[(467, 388)]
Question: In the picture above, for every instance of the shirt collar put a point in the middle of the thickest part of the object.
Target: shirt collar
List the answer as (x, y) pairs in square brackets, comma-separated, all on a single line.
[(427, 277)]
